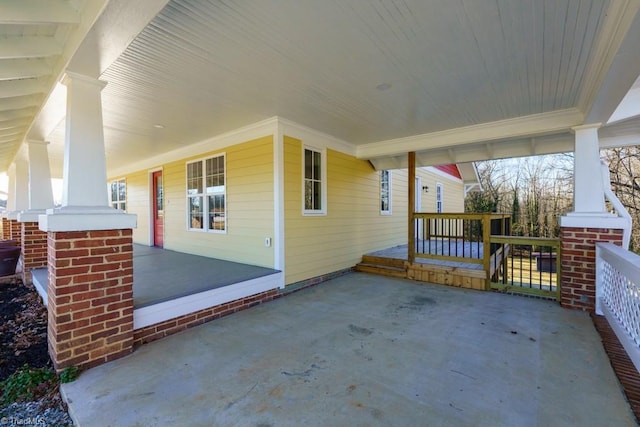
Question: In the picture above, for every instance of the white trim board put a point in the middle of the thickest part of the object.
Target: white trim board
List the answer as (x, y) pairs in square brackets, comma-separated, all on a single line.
[(157, 313)]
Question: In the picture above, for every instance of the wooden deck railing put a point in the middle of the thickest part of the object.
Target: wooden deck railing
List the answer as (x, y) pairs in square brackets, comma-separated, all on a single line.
[(516, 264), (529, 265), (461, 237)]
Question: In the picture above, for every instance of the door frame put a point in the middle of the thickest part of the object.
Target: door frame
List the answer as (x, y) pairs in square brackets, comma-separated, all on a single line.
[(150, 186)]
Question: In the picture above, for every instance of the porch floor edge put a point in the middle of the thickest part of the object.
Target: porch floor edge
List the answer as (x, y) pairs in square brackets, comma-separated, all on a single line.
[(625, 370), (167, 310)]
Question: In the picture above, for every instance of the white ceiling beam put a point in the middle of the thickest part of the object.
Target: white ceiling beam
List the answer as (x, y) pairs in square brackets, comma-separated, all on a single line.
[(10, 133), (489, 148), (537, 124), (629, 107), (37, 12), (616, 62), (11, 88), (22, 47), (19, 103), (17, 114), (11, 69), (11, 124)]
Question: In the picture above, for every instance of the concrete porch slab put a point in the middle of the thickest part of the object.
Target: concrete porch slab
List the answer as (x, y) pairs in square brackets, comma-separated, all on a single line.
[(365, 350)]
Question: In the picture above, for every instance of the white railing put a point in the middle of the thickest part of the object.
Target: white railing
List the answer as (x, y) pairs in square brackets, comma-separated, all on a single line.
[(618, 295), (617, 205)]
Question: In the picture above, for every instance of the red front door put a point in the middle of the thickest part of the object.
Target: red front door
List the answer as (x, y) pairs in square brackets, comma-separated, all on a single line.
[(158, 209)]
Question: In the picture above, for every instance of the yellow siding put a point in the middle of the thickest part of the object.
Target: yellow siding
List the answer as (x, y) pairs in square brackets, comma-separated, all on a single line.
[(353, 226), (453, 200), (138, 199), (250, 206)]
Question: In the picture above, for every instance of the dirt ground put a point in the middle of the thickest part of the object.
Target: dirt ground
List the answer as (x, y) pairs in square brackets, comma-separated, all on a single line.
[(23, 334)]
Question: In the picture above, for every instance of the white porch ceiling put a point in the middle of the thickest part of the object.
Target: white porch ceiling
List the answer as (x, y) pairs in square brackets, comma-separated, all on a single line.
[(465, 79)]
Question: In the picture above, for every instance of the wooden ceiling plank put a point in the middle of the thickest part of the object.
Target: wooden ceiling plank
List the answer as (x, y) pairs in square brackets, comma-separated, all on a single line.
[(19, 102), (11, 69), (22, 47), (25, 87), (32, 12)]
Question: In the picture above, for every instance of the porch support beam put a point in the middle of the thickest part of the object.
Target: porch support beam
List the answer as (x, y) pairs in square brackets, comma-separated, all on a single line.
[(33, 240), (90, 245), (85, 204), (411, 198), (588, 224)]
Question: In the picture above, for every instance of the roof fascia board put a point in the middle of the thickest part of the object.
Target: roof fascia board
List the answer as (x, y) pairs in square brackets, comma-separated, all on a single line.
[(537, 124), (614, 64)]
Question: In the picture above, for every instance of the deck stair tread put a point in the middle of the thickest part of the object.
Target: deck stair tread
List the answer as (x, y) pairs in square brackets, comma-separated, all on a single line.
[(391, 267)]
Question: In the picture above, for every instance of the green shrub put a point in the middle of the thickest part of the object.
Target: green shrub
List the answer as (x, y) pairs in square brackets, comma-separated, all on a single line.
[(69, 374), (26, 384)]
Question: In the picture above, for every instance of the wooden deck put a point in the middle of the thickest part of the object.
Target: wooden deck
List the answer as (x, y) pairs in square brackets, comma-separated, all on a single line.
[(394, 262)]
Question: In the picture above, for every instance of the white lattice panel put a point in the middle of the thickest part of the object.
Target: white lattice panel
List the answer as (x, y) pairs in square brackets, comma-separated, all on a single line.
[(618, 295), (622, 296)]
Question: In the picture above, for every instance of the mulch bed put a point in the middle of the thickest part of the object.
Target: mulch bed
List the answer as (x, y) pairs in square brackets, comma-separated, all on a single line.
[(23, 337), (623, 366), (23, 328)]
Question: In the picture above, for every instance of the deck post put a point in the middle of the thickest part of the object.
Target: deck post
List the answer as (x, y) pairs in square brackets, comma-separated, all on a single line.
[(411, 241), (486, 249)]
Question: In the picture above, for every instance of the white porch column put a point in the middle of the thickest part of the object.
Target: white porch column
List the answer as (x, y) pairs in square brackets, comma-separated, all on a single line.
[(18, 190), (40, 192), (588, 224), (90, 245), (589, 208), (85, 204), (587, 178), (11, 189)]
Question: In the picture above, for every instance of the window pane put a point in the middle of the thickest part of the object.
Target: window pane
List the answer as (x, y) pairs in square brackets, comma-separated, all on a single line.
[(215, 174), (195, 212), (123, 206), (114, 191), (316, 166), (308, 164), (122, 190), (216, 212), (316, 196), (194, 178), (308, 195), (384, 191)]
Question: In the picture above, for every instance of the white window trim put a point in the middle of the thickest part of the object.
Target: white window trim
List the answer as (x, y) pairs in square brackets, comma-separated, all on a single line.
[(388, 211), (323, 182), (440, 186), (204, 195), (111, 201)]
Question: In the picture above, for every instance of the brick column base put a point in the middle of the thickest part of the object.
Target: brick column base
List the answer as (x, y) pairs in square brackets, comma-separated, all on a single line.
[(34, 249), (90, 297), (578, 260), (6, 229), (15, 227)]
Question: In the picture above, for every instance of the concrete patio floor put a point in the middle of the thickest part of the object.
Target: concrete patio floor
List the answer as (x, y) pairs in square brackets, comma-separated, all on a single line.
[(365, 350)]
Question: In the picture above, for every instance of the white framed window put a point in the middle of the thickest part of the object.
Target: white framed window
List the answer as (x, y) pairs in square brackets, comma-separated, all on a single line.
[(439, 196), (314, 182), (206, 194), (118, 194), (385, 192)]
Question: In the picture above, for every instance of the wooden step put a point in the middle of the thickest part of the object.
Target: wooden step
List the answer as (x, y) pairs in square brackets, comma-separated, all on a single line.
[(383, 261), (382, 270)]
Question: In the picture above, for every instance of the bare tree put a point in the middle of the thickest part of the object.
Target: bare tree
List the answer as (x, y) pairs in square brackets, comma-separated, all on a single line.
[(624, 170)]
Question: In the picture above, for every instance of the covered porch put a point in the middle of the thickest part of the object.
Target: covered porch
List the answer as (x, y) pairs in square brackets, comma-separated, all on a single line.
[(169, 285), (366, 350)]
